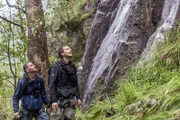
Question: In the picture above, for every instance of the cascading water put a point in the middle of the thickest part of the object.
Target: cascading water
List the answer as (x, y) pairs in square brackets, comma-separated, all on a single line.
[(109, 47), (168, 20)]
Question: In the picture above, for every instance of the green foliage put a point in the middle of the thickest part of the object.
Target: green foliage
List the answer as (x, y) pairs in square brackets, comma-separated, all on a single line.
[(13, 46), (65, 14), (98, 111), (164, 115), (150, 91), (6, 92), (65, 25), (13, 42), (13, 50), (52, 59)]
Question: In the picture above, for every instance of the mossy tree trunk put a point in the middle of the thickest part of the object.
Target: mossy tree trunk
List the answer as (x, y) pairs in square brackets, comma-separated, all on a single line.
[(37, 42)]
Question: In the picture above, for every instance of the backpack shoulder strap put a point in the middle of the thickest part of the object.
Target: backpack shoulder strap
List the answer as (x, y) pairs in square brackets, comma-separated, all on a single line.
[(60, 64), (53, 65), (40, 82), (25, 84)]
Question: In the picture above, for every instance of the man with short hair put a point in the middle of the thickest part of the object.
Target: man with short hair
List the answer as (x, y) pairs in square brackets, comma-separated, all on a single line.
[(63, 87), (31, 90)]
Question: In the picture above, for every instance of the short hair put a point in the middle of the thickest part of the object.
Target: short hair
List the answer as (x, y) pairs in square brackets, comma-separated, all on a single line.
[(61, 50), (25, 66)]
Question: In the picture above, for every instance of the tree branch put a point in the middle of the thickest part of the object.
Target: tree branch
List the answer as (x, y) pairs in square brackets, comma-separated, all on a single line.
[(11, 22), (15, 7), (9, 81)]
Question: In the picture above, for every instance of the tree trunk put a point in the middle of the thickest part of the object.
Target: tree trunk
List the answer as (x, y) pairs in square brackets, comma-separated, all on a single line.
[(37, 42)]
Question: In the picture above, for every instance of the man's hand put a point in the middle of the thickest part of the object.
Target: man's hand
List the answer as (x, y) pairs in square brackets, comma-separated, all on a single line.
[(79, 103), (54, 107), (17, 115), (47, 109)]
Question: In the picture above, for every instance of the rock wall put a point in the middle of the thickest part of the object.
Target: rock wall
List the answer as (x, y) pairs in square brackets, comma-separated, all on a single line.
[(127, 35)]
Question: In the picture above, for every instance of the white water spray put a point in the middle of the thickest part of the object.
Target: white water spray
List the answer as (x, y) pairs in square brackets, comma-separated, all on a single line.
[(168, 19)]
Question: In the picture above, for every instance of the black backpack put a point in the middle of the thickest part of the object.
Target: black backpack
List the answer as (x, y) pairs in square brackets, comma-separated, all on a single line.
[(52, 66), (61, 67), (26, 83)]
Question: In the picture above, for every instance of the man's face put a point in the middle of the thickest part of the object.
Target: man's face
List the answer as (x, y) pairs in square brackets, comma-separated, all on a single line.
[(67, 52), (31, 68)]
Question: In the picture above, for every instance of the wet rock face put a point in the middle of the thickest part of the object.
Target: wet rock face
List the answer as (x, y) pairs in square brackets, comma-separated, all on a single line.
[(105, 14), (157, 8), (91, 5), (178, 16), (139, 26), (136, 31)]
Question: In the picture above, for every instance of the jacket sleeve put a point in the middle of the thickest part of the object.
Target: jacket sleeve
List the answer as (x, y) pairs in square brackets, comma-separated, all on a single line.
[(17, 95), (52, 82), (43, 93), (77, 86)]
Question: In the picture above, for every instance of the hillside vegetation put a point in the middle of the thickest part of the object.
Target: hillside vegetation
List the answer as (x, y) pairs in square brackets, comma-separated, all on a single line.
[(151, 91)]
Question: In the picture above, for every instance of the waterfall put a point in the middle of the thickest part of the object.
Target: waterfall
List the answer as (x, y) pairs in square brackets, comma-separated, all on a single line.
[(110, 45), (168, 19), (44, 4)]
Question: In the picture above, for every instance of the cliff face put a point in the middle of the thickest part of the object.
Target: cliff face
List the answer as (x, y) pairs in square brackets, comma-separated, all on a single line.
[(119, 34), (102, 21)]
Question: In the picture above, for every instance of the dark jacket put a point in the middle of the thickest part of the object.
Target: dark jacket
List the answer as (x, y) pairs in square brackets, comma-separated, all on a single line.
[(62, 75), (26, 92)]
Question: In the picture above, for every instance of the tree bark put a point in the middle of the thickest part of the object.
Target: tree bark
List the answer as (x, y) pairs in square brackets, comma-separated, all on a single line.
[(37, 42)]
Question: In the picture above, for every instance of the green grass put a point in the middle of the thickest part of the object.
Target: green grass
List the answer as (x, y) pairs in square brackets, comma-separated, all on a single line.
[(6, 92), (150, 91)]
